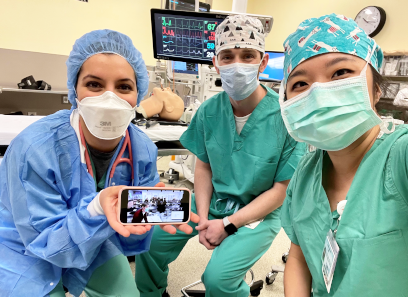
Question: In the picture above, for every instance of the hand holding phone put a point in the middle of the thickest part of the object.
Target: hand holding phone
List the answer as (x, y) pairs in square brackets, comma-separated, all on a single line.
[(110, 203), (168, 207), (154, 206)]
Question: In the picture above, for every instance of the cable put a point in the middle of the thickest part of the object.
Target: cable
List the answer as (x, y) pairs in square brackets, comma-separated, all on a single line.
[(174, 81), (183, 172)]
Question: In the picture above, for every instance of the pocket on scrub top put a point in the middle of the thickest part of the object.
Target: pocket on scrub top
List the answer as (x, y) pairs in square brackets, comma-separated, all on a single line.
[(216, 156), (264, 173), (378, 267)]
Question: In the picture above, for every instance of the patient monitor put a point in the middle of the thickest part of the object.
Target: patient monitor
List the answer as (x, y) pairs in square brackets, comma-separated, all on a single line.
[(189, 36), (183, 70)]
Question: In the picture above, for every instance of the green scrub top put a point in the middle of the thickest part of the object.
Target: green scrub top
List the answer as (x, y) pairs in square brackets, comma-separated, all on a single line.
[(373, 231), (246, 165)]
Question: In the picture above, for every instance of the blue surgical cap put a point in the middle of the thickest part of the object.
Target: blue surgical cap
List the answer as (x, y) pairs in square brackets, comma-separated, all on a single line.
[(105, 41), (326, 34)]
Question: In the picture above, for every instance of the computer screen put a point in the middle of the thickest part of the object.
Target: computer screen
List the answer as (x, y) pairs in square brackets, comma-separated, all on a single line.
[(184, 67), (187, 5), (183, 70), (184, 36), (274, 69)]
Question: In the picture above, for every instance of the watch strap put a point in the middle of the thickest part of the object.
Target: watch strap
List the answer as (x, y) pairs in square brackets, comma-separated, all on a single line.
[(228, 226)]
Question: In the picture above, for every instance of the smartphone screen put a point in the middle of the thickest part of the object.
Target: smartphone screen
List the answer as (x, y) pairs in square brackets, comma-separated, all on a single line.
[(142, 206)]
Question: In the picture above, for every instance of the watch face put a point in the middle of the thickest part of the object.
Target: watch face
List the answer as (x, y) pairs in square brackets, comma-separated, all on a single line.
[(369, 19)]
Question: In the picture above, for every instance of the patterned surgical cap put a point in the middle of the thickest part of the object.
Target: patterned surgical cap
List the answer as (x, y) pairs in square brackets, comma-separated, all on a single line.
[(240, 31), (328, 34)]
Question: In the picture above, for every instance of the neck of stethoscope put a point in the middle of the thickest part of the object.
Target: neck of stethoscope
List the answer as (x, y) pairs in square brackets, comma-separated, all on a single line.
[(119, 159)]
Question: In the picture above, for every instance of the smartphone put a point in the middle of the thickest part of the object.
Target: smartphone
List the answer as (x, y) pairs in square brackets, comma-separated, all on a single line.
[(154, 206)]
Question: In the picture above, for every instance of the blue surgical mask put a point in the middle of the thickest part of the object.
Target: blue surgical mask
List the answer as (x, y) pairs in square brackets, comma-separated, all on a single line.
[(239, 80), (332, 115)]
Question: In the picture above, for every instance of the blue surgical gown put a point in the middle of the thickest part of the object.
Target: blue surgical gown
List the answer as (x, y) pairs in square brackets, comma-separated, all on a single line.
[(46, 232)]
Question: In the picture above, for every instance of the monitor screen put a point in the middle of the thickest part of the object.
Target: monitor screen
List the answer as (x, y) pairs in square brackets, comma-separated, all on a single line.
[(187, 5), (184, 36), (184, 67), (274, 69)]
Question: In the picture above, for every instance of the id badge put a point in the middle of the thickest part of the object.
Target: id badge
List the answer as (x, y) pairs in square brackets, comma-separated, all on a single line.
[(329, 259)]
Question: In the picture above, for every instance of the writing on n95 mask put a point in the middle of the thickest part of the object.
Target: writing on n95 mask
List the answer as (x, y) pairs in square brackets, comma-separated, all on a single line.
[(105, 124)]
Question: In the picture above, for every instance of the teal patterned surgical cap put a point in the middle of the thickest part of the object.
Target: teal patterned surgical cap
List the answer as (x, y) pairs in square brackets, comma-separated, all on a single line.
[(328, 34)]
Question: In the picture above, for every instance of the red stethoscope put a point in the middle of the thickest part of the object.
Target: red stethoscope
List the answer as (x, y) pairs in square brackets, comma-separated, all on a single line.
[(118, 160)]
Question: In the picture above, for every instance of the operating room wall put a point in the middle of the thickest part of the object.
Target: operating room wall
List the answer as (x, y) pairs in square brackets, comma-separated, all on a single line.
[(52, 26), (289, 13)]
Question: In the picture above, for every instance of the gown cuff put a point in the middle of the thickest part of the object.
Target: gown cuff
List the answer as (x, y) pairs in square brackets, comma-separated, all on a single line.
[(94, 207)]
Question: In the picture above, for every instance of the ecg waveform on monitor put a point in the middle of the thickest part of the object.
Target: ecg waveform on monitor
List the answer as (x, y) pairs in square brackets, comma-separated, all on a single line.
[(192, 52), (187, 37)]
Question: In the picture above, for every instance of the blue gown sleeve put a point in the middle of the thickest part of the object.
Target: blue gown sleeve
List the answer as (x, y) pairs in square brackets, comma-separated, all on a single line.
[(291, 154), (193, 138), (286, 212), (136, 244), (50, 228)]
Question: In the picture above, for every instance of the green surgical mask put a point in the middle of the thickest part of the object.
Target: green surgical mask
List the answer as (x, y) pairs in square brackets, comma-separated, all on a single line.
[(331, 115)]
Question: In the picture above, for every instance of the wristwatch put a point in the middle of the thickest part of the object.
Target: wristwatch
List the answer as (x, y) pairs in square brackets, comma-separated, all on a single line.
[(228, 226)]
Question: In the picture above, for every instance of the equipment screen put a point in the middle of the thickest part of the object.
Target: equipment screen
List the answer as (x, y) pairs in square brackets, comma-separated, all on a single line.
[(187, 5), (184, 67), (154, 206), (274, 69), (184, 36)]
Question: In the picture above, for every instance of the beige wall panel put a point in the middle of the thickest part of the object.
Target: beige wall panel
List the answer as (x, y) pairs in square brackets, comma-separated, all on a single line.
[(289, 13)]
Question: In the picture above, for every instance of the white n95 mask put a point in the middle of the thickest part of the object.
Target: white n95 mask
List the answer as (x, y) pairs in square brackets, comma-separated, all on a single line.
[(106, 116), (239, 80)]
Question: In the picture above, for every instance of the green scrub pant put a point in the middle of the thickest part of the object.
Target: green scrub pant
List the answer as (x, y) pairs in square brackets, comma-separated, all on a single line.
[(230, 261), (114, 278)]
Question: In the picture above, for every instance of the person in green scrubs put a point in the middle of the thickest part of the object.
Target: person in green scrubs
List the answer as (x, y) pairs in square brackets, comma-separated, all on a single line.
[(354, 185), (245, 159)]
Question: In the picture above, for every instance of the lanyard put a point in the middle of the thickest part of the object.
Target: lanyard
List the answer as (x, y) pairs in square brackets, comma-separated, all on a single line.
[(118, 160), (230, 205)]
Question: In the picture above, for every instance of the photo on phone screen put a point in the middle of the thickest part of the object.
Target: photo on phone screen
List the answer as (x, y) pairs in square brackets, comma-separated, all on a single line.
[(154, 206)]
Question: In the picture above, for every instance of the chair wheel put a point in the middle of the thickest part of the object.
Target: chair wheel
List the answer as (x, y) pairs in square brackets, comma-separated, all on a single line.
[(269, 281), (270, 278), (285, 257)]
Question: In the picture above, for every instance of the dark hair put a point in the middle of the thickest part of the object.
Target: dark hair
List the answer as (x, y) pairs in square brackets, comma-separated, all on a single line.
[(379, 82), (143, 205)]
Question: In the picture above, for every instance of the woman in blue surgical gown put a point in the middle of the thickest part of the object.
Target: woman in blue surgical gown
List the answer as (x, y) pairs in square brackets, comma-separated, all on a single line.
[(55, 228)]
